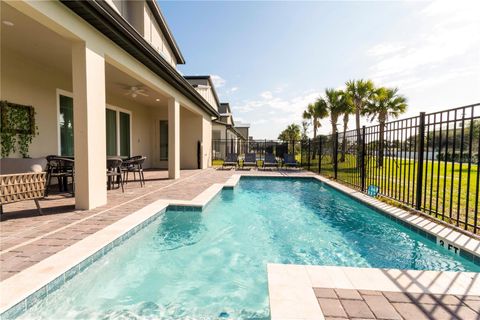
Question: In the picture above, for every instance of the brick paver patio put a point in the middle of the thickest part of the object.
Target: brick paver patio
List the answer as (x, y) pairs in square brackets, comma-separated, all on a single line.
[(27, 238), (342, 304)]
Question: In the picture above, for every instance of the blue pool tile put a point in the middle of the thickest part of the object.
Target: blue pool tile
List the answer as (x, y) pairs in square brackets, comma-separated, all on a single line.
[(72, 273), (15, 311), (467, 255), (97, 255), (85, 264), (36, 296), (55, 284)]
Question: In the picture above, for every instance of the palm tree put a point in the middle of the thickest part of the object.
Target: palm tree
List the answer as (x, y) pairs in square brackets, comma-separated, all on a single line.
[(315, 113), (386, 103), (360, 92), (347, 110), (333, 102), (291, 133)]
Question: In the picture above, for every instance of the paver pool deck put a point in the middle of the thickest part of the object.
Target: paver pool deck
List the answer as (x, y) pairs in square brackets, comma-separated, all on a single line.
[(28, 240)]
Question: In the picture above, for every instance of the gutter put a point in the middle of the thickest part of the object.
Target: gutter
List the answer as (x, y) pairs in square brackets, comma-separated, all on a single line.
[(107, 21)]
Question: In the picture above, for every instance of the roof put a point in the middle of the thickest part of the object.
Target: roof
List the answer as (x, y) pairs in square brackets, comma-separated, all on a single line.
[(203, 80), (232, 128), (242, 125), (109, 22), (224, 108), (157, 13)]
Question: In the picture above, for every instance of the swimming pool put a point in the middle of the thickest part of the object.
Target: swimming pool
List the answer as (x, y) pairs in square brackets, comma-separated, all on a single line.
[(211, 264)]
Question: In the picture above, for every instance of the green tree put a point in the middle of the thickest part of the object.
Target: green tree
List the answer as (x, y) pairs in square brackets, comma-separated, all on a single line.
[(360, 92), (291, 133), (305, 128), (315, 112), (347, 111), (385, 103)]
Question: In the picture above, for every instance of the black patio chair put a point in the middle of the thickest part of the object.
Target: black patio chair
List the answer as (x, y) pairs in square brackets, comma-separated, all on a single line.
[(270, 161), (230, 160), (114, 172), (250, 160), (289, 161), (60, 168), (134, 165)]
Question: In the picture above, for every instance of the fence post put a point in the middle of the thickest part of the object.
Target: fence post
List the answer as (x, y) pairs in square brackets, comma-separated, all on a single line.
[(319, 154), (362, 159), (420, 149), (309, 142), (335, 155)]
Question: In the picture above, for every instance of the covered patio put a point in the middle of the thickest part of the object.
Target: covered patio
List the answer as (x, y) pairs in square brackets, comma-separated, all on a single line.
[(93, 100), (28, 238)]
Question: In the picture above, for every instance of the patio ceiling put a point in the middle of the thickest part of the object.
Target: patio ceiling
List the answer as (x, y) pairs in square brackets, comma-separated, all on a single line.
[(32, 40), (35, 42)]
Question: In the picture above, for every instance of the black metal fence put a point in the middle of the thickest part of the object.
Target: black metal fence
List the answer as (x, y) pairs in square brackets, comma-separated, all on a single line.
[(429, 162)]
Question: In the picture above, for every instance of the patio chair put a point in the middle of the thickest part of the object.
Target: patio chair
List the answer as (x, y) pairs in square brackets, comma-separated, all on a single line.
[(114, 170), (61, 168), (134, 165), (270, 161), (289, 161), (230, 160), (250, 160)]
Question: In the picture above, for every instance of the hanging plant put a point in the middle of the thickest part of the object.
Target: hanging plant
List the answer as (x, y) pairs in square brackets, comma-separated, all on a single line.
[(17, 128)]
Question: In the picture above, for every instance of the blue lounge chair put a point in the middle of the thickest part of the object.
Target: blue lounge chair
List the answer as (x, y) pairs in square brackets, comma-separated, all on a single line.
[(230, 160), (270, 161), (250, 160), (289, 161)]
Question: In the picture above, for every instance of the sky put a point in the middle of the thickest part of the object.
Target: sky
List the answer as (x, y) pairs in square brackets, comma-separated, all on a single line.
[(269, 59)]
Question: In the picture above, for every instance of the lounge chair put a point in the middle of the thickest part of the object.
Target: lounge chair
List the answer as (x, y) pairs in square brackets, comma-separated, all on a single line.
[(230, 160), (250, 160), (270, 161), (289, 161)]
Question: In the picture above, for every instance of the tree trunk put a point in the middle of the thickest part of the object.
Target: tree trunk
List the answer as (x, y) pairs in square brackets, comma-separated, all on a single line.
[(314, 127), (344, 138), (359, 135), (381, 141)]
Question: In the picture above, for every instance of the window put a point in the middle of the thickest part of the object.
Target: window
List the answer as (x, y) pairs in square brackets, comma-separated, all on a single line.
[(65, 124), (124, 122), (163, 140), (118, 132), (111, 128)]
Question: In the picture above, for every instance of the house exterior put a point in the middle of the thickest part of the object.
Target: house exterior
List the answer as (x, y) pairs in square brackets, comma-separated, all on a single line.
[(226, 136), (102, 78)]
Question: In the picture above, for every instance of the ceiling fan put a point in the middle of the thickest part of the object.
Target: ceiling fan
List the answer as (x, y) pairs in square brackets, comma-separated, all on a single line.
[(135, 91)]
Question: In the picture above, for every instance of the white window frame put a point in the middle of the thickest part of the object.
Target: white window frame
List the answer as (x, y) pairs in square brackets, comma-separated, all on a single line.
[(61, 92), (117, 119)]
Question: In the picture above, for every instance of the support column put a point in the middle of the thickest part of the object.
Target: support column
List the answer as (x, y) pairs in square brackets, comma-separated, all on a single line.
[(173, 139), (206, 142), (88, 76)]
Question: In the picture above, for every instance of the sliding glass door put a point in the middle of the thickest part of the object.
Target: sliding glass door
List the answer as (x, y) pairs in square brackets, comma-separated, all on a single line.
[(124, 123), (111, 128), (118, 131), (65, 123)]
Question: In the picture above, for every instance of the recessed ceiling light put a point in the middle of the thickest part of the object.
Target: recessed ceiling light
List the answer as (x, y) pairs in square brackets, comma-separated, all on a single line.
[(8, 23), (157, 99)]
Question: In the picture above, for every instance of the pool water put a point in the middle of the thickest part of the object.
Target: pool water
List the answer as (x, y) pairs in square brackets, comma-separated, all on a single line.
[(212, 264)]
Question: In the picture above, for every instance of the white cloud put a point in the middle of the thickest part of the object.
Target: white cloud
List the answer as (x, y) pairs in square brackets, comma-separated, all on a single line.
[(233, 89), (218, 81), (440, 49), (385, 48), (267, 95)]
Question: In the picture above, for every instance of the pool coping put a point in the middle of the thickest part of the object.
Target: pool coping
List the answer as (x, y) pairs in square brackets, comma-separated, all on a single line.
[(25, 288), (292, 296)]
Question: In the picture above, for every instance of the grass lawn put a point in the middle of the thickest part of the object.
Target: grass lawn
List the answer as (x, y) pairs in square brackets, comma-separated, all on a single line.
[(447, 188)]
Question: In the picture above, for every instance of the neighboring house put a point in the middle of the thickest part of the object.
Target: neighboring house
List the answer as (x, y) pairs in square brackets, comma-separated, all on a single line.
[(102, 78), (243, 129), (225, 135)]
